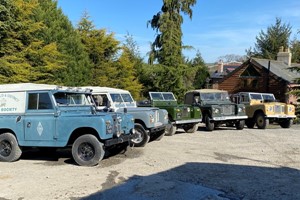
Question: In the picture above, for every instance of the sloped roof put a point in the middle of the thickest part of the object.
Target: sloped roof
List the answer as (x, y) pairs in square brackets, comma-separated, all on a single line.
[(279, 68)]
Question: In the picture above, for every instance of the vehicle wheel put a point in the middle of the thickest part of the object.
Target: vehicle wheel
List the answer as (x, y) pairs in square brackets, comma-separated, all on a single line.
[(191, 128), (240, 125), (286, 123), (261, 121), (209, 126), (170, 129), (9, 148), (143, 136), (250, 123), (87, 150)]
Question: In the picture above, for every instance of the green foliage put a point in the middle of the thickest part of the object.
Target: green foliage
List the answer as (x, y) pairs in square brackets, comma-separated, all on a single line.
[(199, 72), (171, 73), (167, 46), (23, 56), (59, 29), (113, 65), (268, 43), (295, 50), (126, 74)]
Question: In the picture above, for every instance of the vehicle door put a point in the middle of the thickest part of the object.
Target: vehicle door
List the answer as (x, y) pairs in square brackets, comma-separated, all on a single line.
[(40, 118)]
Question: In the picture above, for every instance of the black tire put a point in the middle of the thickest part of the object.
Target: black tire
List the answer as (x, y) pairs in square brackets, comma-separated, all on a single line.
[(87, 150), (209, 126), (261, 121), (9, 148), (191, 128), (286, 123), (250, 123), (170, 130), (143, 138), (240, 125)]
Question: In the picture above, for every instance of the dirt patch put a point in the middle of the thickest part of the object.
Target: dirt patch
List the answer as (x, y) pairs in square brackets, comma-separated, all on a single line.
[(223, 164)]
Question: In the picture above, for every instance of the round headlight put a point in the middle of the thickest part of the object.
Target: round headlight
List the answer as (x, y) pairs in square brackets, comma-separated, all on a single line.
[(216, 110)]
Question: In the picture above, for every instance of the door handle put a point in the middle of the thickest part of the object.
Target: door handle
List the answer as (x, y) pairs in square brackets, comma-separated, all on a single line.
[(28, 124)]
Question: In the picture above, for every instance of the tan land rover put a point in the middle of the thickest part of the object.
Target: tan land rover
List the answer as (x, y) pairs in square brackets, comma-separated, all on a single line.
[(263, 108)]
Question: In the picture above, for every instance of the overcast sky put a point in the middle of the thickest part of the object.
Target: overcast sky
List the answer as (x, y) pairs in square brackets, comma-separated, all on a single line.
[(218, 27)]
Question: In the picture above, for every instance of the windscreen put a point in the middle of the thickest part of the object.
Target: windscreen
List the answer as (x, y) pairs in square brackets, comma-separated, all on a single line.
[(162, 96), (68, 98), (214, 96), (256, 96), (268, 97)]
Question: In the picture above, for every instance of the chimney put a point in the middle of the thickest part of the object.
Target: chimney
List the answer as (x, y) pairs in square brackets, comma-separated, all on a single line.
[(285, 56), (220, 66)]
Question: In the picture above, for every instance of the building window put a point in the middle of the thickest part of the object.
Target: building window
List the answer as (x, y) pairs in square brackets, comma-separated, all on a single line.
[(250, 83)]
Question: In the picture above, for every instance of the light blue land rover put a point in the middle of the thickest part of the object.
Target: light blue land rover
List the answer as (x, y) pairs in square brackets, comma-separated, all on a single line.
[(150, 122), (40, 115)]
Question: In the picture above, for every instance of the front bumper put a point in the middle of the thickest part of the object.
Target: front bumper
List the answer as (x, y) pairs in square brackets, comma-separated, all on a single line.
[(226, 118), (121, 139), (157, 129), (280, 116), (188, 121)]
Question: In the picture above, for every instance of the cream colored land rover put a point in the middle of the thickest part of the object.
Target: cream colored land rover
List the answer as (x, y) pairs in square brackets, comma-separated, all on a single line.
[(263, 108)]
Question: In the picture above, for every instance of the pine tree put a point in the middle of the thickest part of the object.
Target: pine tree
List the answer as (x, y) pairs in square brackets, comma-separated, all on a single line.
[(268, 43), (102, 49), (58, 29), (23, 57), (167, 46)]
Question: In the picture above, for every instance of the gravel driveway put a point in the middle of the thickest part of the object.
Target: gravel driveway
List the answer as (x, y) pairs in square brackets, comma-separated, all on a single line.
[(223, 164)]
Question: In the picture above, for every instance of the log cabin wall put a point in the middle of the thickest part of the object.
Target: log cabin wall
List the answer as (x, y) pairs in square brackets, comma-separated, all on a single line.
[(263, 81)]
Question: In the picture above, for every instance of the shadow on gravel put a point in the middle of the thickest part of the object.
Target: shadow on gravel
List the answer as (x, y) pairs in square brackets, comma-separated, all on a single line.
[(204, 181), (61, 156)]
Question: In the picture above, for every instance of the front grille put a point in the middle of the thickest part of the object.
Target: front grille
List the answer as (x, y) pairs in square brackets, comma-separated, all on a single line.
[(228, 109), (156, 119), (117, 125), (278, 109), (185, 112)]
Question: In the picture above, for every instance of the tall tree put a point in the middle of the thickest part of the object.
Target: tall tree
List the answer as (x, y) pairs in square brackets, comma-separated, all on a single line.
[(268, 43), (102, 49), (166, 50), (23, 56), (59, 29), (167, 46)]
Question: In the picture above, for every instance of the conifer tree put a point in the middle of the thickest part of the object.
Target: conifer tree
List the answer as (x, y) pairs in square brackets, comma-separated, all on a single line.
[(58, 29), (24, 57), (268, 43)]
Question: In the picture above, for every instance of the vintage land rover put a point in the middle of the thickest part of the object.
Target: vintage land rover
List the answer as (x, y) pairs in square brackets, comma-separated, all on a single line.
[(216, 108), (262, 109), (180, 116), (40, 115), (150, 123)]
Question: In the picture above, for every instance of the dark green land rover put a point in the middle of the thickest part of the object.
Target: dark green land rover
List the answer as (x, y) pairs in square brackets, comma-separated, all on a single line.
[(182, 116), (216, 108)]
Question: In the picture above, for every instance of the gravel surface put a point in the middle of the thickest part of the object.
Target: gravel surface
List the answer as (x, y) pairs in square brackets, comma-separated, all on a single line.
[(223, 164)]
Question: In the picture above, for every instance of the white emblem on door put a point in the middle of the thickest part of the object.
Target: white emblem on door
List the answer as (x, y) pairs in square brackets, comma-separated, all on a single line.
[(40, 128)]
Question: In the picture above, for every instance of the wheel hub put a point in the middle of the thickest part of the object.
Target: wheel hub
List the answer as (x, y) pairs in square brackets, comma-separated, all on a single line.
[(86, 151), (5, 148)]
